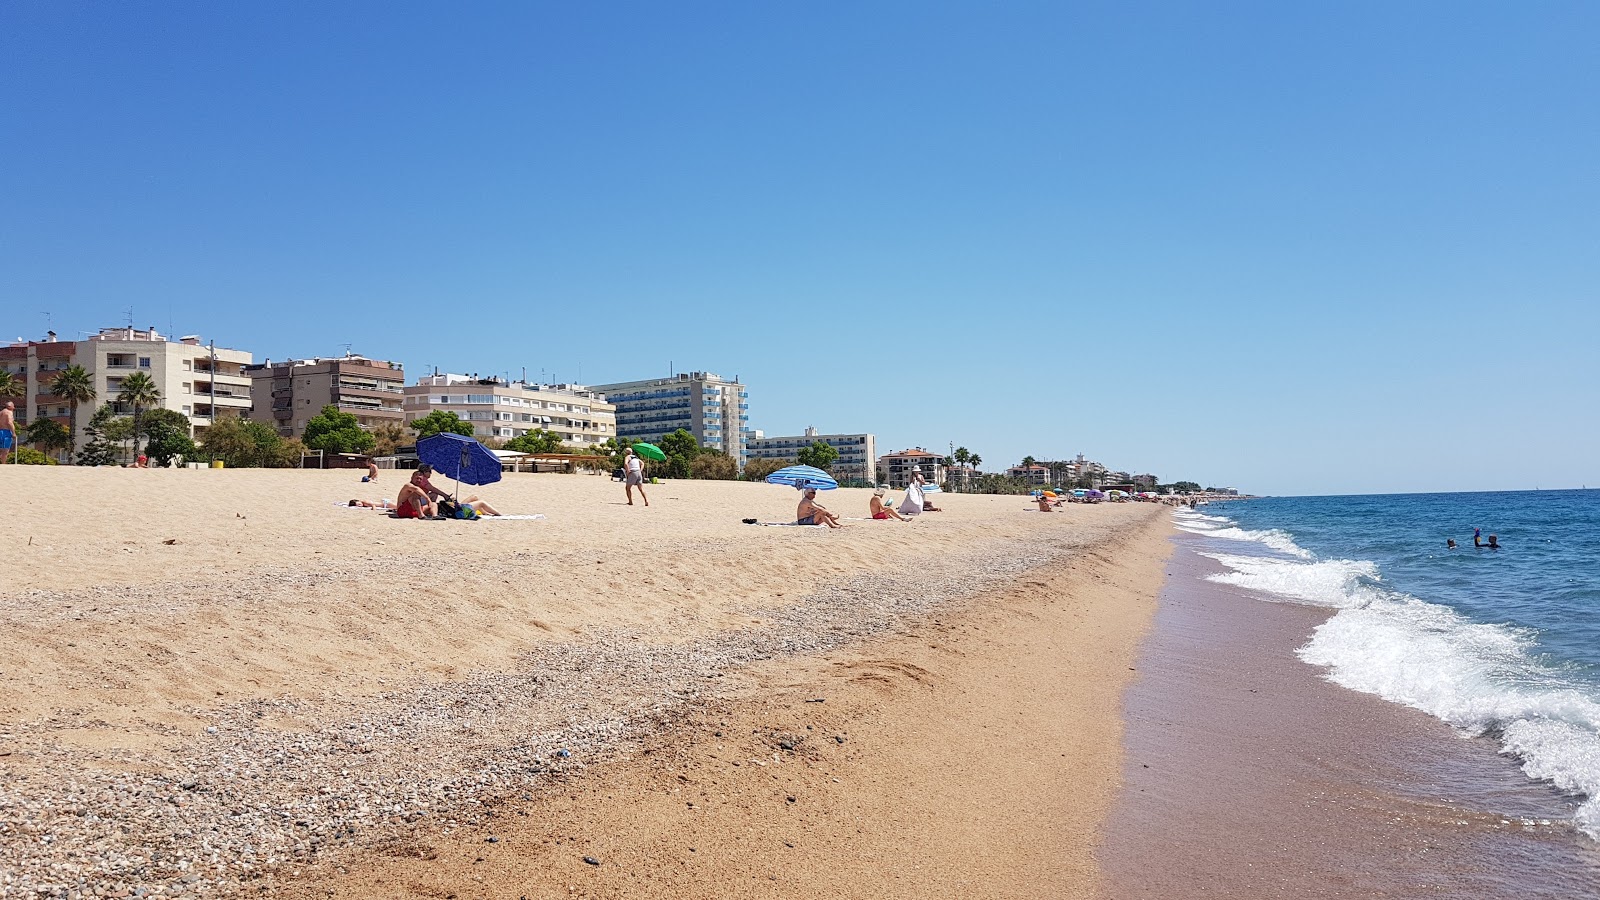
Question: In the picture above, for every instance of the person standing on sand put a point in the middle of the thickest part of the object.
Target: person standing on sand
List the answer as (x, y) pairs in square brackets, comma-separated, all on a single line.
[(633, 476), (8, 430), (920, 481)]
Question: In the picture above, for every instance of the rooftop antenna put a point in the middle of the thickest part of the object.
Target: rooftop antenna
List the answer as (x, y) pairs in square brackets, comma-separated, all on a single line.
[(130, 317), (346, 347)]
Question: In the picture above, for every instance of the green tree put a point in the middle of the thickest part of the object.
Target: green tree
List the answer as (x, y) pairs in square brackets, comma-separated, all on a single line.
[(99, 449), (242, 444), (138, 391), (1028, 462), (758, 469), (334, 431), (974, 461), (961, 456), (435, 422), (681, 448), (10, 386), (820, 454), (165, 419), (1186, 487), (73, 385), (538, 440), (714, 466), (168, 442), (48, 435)]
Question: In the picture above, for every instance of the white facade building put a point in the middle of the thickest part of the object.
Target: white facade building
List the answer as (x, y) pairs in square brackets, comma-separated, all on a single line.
[(579, 415)]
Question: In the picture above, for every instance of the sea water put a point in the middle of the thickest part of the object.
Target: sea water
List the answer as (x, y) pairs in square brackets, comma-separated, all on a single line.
[(1501, 644)]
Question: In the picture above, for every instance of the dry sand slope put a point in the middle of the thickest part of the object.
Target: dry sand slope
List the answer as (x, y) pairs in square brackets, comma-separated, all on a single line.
[(289, 682)]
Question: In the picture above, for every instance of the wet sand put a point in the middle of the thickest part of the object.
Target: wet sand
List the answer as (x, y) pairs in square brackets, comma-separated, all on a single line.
[(1247, 775)]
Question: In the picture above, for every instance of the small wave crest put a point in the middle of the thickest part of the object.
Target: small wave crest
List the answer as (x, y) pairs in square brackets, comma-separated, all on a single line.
[(1480, 678), (1334, 583), (1278, 540)]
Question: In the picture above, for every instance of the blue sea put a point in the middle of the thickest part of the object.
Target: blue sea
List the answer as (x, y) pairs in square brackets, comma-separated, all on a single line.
[(1501, 644)]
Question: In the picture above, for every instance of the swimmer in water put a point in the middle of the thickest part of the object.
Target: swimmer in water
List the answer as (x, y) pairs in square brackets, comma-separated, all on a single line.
[(1450, 543), (1477, 537), (1494, 542)]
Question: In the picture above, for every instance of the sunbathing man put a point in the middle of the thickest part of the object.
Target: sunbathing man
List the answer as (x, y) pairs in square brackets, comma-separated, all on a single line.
[(414, 501), (809, 513), (481, 506), (882, 511)]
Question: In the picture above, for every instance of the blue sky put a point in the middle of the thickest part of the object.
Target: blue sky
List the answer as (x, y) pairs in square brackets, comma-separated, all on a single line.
[(1297, 248)]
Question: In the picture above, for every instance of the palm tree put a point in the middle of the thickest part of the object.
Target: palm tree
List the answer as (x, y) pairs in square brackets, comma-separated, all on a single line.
[(974, 461), (74, 386), (11, 386), (138, 391), (1028, 461)]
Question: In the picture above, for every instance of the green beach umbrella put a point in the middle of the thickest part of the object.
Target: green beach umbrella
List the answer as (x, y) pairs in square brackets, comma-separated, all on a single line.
[(649, 451)]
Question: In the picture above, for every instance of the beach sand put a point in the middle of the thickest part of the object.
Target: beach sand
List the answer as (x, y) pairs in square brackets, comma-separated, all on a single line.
[(223, 680)]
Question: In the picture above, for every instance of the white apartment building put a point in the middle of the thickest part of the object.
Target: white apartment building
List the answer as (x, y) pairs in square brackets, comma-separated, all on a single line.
[(708, 406), (579, 415), (201, 381), (857, 452), (895, 468)]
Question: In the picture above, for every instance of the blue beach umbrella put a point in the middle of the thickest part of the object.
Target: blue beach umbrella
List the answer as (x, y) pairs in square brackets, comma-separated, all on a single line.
[(802, 477), (461, 458)]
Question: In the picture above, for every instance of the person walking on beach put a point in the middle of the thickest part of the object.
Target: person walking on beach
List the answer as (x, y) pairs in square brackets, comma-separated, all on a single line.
[(8, 430), (918, 480), (633, 476)]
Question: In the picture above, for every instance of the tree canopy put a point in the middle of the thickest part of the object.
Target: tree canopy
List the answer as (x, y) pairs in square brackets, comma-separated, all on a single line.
[(820, 454), (538, 440), (437, 421), (336, 431)]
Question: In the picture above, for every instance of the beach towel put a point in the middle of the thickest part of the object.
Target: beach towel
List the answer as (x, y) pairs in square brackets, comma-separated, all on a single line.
[(534, 517), (781, 524)]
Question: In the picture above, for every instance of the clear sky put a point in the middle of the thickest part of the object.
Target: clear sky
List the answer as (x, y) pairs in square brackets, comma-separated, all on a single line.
[(1295, 248)]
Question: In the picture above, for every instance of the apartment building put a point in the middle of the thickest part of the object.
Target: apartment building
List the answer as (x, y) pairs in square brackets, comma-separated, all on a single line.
[(578, 414), (857, 452), (289, 394), (1035, 475), (894, 469), (713, 409), (202, 381)]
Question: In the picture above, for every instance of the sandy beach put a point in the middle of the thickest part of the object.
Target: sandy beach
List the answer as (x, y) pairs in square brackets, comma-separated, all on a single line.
[(225, 681)]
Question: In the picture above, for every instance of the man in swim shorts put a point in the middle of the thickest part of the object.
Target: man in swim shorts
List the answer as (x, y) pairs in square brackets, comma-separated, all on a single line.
[(8, 430)]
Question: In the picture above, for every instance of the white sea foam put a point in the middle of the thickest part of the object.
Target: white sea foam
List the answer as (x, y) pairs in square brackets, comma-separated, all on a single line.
[(1478, 677), (1226, 529)]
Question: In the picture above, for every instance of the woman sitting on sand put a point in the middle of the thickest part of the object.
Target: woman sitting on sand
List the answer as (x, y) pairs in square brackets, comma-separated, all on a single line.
[(809, 513), (1044, 503), (882, 511)]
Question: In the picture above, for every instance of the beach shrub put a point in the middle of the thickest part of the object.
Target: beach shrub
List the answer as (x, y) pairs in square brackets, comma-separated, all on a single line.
[(245, 443), (998, 484), (429, 425), (758, 469), (714, 466), (335, 431), (166, 442), (389, 437), (820, 454), (27, 456)]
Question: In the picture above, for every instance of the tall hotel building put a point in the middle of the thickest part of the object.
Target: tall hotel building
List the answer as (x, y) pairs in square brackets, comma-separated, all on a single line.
[(579, 415), (857, 452), (710, 407)]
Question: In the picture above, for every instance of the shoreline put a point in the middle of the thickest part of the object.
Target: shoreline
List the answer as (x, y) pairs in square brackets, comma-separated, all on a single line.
[(1249, 775)]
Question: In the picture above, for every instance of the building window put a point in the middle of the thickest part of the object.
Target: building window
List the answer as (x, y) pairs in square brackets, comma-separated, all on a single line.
[(186, 387), (186, 365), (144, 362), (186, 410)]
